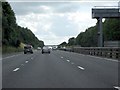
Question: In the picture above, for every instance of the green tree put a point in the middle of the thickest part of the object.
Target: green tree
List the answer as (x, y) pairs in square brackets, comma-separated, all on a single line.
[(12, 34), (72, 41), (63, 44), (111, 29)]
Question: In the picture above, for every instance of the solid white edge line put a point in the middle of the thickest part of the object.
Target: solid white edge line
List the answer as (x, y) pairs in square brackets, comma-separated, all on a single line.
[(8, 57), (108, 59), (82, 54), (104, 58), (16, 69), (11, 56), (81, 67)]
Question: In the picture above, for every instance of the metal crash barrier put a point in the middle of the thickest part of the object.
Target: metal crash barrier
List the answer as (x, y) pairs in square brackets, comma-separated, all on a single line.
[(108, 52)]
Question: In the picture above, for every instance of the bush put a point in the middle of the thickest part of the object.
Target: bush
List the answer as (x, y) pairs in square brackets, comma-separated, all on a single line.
[(10, 49)]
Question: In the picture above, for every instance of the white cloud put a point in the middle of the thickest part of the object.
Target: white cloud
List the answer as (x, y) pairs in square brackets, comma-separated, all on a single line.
[(55, 22), (78, 16), (53, 39), (34, 21), (82, 19), (47, 27), (45, 7)]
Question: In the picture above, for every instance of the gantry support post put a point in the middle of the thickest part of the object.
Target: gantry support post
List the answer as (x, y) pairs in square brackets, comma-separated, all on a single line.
[(100, 32), (100, 13)]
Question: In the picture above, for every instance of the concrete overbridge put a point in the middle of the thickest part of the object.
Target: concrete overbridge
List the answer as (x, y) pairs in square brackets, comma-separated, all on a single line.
[(104, 12)]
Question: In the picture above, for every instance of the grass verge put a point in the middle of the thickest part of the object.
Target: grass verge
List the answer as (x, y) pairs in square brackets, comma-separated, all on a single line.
[(10, 49)]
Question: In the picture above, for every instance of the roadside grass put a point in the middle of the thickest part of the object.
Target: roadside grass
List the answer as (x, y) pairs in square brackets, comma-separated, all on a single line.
[(10, 49)]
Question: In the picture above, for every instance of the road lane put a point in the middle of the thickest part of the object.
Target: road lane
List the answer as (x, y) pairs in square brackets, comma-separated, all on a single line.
[(9, 64), (99, 69), (45, 71), (55, 71)]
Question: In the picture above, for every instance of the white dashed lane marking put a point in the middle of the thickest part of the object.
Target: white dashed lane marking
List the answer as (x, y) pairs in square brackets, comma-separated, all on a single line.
[(117, 87), (16, 69), (68, 60), (61, 57), (72, 63), (81, 67), (26, 61), (22, 64)]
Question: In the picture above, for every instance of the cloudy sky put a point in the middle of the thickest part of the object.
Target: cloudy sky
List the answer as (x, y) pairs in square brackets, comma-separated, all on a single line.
[(56, 21)]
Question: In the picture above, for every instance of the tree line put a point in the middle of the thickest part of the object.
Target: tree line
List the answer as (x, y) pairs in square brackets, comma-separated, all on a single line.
[(89, 38), (13, 34)]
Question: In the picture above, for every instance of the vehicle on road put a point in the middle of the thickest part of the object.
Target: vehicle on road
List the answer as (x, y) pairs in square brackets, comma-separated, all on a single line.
[(45, 49), (28, 49), (38, 48)]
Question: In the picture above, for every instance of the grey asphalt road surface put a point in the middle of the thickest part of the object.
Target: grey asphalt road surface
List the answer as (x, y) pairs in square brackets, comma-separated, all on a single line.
[(59, 69)]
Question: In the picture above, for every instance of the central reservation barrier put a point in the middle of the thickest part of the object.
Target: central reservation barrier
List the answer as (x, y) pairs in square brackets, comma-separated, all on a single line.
[(108, 52)]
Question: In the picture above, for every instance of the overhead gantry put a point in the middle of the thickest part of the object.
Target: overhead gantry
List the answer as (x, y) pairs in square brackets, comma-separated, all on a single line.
[(103, 12)]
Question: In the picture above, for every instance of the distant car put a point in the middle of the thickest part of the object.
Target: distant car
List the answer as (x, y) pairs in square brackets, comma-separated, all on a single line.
[(45, 50), (28, 49), (54, 48), (39, 48)]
